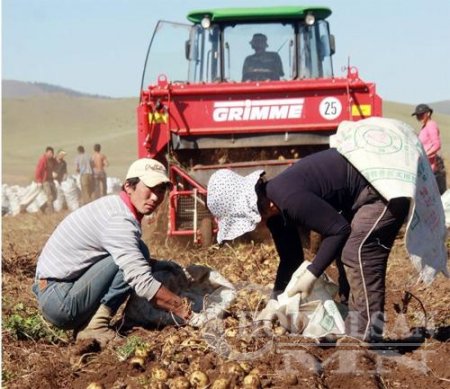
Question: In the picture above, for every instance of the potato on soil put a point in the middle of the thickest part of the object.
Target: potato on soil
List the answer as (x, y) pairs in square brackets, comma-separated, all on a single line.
[(158, 373), (251, 381), (199, 379), (179, 383), (137, 363), (232, 369), (246, 367), (221, 383), (142, 352), (95, 385)]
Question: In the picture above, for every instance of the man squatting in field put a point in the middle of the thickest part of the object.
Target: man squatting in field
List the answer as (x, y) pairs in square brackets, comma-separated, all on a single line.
[(95, 258), (324, 193)]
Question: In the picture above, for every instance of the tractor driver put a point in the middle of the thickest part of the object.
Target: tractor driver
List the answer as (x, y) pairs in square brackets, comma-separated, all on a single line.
[(263, 65)]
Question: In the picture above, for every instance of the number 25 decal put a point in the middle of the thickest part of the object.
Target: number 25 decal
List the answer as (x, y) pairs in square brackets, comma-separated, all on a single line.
[(330, 108)]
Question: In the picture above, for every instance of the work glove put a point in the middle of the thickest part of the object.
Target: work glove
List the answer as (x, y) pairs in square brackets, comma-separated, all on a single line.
[(197, 320), (269, 313), (303, 284)]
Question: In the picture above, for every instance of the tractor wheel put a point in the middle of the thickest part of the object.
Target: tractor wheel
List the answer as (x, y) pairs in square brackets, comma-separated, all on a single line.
[(206, 232)]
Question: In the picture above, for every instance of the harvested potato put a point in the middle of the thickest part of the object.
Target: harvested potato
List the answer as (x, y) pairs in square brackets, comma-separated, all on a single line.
[(233, 368), (221, 383), (95, 385), (179, 383), (138, 363), (159, 374), (251, 381), (246, 367), (198, 379), (142, 351), (279, 331)]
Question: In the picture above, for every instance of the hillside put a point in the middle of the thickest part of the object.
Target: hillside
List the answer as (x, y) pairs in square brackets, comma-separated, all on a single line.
[(442, 107), (18, 89), (35, 116)]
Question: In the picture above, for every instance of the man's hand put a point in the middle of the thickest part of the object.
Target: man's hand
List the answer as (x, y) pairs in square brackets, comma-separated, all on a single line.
[(180, 306), (304, 284), (269, 313)]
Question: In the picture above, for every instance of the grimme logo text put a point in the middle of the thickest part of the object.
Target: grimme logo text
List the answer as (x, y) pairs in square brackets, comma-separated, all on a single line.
[(228, 111)]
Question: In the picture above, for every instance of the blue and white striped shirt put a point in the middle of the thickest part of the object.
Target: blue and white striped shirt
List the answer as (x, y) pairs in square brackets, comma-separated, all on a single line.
[(101, 228)]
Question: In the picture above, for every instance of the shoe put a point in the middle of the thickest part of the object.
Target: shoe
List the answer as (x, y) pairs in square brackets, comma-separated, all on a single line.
[(98, 327)]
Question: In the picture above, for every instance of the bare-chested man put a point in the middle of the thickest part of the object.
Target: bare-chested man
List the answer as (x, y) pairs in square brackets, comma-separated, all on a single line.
[(99, 163)]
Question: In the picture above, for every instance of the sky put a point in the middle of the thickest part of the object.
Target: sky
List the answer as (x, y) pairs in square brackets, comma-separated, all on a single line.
[(99, 46)]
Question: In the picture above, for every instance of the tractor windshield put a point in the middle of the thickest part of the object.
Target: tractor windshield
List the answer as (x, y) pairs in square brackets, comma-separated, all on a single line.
[(260, 51)]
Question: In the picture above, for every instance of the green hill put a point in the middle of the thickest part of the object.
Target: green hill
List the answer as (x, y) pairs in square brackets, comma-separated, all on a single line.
[(65, 120)]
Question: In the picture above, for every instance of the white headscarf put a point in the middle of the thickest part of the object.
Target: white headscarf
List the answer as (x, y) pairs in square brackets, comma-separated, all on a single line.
[(232, 199)]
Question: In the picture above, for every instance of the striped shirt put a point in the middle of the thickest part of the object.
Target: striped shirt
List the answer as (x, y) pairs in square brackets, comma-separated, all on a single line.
[(105, 227)]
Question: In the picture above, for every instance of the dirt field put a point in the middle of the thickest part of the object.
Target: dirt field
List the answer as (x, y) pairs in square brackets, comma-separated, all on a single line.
[(229, 355)]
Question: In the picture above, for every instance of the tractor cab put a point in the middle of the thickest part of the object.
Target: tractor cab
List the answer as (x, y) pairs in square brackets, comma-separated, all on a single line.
[(236, 45)]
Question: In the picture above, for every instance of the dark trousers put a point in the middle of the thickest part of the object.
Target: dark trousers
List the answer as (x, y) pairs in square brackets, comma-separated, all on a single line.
[(374, 228)]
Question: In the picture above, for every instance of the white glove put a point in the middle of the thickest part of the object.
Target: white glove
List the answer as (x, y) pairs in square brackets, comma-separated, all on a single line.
[(303, 284), (269, 313), (197, 320)]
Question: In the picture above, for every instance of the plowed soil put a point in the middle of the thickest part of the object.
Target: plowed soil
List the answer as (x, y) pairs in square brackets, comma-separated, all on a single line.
[(230, 353)]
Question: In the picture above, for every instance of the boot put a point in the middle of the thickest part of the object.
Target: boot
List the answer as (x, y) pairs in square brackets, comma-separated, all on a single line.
[(98, 327)]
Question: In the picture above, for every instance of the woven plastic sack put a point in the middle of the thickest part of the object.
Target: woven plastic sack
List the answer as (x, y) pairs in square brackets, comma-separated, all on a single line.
[(315, 316), (71, 193)]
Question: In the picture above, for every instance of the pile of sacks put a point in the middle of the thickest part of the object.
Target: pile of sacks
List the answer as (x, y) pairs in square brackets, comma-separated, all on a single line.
[(32, 197)]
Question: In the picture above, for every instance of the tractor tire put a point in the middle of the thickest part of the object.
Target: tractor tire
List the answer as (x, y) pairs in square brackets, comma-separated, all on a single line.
[(206, 232)]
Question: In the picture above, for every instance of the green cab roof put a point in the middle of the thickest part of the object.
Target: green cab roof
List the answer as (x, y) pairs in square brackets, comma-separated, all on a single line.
[(258, 14)]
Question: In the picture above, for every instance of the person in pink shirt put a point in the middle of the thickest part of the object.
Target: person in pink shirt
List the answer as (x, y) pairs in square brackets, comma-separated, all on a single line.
[(430, 138)]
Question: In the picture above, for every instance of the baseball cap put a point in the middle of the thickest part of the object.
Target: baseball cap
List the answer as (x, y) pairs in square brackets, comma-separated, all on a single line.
[(149, 171), (232, 199), (421, 109)]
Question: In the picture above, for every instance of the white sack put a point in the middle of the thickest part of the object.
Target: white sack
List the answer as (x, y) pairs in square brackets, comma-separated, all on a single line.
[(390, 156), (60, 200), (113, 185), (314, 316), (446, 203), (13, 193), (71, 193), (30, 193), (37, 203), (5, 201)]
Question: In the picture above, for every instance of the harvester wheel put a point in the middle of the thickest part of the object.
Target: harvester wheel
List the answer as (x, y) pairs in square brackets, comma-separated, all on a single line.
[(206, 232)]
